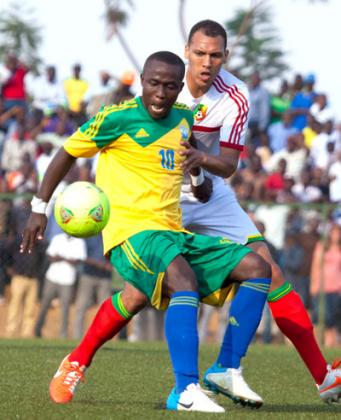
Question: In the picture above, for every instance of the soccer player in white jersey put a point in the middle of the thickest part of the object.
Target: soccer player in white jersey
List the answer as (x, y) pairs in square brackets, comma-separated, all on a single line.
[(220, 103)]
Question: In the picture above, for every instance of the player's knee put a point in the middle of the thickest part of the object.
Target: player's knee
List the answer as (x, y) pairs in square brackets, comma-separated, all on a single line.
[(277, 275), (133, 300), (261, 268), (179, 284), (256, 267)]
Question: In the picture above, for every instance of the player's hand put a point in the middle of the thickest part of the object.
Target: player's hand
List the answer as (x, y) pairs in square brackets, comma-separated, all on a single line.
[(204, 191), (33, 232), (194, 158)]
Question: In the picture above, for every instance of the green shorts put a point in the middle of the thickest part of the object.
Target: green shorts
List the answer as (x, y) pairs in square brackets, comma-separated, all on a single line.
[(142, 261)]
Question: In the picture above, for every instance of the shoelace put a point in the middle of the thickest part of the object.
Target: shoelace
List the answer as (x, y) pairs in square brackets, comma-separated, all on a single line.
[(209, 393), (73, 376), (206, 392)]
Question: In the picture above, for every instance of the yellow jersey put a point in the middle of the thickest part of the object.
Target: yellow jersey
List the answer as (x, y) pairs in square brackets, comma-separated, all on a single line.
[(138, 166)]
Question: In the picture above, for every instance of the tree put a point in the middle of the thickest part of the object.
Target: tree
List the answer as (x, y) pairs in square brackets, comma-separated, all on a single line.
[(20, 34), (255, 43), (116, 17)]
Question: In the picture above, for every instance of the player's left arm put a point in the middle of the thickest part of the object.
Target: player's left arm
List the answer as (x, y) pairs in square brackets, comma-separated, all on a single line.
[(98, 132)]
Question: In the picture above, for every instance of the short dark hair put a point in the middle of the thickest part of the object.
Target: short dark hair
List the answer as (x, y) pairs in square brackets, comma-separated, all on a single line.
[(209, 28), (168, 58)]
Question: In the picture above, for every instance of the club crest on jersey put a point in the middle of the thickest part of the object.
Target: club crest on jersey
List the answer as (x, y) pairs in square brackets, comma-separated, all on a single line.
[(184, 132), (200, 112)]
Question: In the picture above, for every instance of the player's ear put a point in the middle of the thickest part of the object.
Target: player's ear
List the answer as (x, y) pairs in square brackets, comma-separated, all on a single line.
[(186, 51), (226, 54)]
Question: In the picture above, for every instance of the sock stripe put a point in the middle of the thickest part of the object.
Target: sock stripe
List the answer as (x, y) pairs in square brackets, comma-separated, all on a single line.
[(280, 292), (259, 284), (118, 305), (195, 305), (187, 298), (184, 300), (263, 289)]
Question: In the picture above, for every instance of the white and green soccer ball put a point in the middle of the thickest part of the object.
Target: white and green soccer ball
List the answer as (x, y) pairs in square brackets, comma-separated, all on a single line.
[(82, 209)]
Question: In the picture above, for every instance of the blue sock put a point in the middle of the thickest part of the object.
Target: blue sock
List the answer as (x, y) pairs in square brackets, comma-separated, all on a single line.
[(245, 315), (181, 332)]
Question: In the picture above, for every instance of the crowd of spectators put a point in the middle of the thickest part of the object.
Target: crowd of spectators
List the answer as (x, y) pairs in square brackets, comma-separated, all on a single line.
[(292, 156)]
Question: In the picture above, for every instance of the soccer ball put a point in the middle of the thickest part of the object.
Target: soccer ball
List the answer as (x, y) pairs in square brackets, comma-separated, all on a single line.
[(82, 209)]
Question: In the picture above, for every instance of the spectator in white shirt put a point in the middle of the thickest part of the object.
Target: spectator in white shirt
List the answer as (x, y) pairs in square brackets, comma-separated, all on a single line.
[(47, 93), (65, 253), (323, 147), (295, 155), (335, 180), (304, 191)]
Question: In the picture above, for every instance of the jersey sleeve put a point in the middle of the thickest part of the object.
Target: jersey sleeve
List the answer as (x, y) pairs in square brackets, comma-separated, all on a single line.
[(100, 131), (234, 128)]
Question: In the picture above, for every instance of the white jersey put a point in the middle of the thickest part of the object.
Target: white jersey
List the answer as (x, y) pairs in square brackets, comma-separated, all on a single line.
[(220, 116), (220, 120)]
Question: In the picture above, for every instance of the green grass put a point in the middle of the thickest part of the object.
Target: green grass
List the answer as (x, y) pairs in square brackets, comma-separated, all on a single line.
[(132, 381)]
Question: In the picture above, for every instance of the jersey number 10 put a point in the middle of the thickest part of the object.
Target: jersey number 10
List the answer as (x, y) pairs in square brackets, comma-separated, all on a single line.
[(167, 159)]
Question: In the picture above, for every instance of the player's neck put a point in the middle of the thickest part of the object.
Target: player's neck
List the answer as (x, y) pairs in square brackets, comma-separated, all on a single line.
[(195, 90)]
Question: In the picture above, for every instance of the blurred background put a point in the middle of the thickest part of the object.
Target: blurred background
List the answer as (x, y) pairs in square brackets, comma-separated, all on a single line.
[(61, 61)]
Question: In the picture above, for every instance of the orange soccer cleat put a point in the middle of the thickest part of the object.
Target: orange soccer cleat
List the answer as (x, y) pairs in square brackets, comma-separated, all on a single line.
[(330, 389), (65, 381)]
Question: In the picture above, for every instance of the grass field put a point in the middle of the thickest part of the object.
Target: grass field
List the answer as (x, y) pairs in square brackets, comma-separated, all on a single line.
[(132, 381)]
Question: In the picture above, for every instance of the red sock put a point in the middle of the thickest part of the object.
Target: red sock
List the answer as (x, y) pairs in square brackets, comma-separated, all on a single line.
[(294, 322), (106, 324)]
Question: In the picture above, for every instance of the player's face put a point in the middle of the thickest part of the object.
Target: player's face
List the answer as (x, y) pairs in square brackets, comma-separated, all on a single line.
[(161, 85), (205, 55)]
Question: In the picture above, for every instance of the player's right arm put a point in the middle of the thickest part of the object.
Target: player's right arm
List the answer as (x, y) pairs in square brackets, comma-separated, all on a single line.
[(36, 224), (96, 133)]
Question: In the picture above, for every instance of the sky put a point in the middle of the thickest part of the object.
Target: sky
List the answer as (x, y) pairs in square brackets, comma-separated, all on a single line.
[(73, 31)]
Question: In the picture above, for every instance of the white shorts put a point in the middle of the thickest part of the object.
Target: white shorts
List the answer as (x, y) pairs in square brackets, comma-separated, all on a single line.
[(222, 215)]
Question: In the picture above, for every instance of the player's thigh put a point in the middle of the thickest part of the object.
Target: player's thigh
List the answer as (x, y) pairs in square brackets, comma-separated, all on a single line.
[(179, 276), (143, 259), (212, 260)]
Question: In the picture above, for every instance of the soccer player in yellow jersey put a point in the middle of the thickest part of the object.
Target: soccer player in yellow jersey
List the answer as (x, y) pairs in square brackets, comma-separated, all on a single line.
[(140, 168)]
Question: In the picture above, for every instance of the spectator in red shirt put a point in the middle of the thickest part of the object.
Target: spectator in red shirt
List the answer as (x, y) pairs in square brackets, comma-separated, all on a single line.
[(13, 89), (275, 181)]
